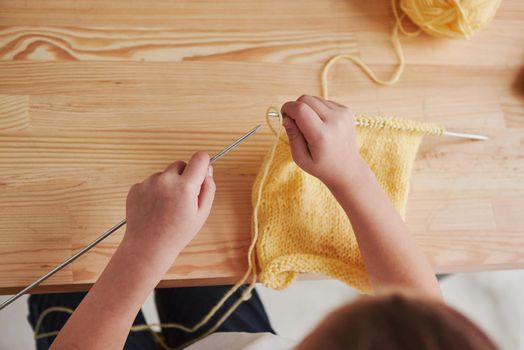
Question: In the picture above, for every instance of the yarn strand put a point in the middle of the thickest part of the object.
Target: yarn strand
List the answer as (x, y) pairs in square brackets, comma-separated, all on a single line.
[(251, 270), (458, 21), (399, 20), (452, 19), (397, 47)]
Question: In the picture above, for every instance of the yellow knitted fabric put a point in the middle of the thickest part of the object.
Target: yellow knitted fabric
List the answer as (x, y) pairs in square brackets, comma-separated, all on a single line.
[(301, 226), (297, 224)]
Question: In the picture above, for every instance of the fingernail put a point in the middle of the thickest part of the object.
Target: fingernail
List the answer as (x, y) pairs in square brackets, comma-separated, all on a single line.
[(210, 171)]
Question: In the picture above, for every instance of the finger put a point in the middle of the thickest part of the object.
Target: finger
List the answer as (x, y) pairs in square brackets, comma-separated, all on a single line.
[(317, 104), (197, 167), (151, 178), (306, 119), (297, 142), (341, 108), (334, 104), (176, 168), (207, 193), (134, 190)]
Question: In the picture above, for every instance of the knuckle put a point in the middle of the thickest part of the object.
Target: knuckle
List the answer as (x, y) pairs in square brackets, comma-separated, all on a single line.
[(163, 180), (201, 156), (186, 187), (302, 109), (134, 189), (339, 121), (303, 98), (286, 106), (348, 113), (342, 120), (154, 177)]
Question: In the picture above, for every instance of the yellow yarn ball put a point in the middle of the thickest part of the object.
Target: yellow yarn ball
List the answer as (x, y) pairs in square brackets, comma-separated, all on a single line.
[(450, 18)]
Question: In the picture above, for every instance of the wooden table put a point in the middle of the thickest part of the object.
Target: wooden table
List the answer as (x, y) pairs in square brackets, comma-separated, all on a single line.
[(94, 96)]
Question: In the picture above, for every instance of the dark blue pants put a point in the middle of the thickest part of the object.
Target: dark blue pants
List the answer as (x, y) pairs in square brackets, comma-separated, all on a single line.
[(175, 305)]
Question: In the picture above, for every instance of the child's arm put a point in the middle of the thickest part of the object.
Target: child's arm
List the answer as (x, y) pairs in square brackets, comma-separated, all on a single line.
[(322, 141), (164, 213)]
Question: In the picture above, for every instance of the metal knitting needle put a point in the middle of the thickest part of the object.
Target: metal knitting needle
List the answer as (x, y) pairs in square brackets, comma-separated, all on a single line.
[(447, 133), (110, 231), (466, 135)]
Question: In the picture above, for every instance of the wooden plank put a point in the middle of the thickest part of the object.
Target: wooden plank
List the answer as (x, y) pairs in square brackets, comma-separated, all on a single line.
[(149, 112), (153, 78), (96, 96), (112, 161), (14, 112), (194, 16), (59, 43), (212, 78)]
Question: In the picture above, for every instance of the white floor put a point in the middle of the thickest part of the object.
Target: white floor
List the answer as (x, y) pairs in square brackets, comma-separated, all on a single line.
[(491, 299)]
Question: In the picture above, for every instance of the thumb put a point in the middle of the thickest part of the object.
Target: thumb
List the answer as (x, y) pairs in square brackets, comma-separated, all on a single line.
[(207, 193), (197, 168), (297, 141)]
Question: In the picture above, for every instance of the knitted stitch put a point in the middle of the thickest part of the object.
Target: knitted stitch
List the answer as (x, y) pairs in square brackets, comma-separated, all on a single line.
[(301, 226), (297, 224)]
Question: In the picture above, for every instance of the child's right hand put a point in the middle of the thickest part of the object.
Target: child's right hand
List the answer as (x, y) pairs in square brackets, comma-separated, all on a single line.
[(322, 139), (166, 211)]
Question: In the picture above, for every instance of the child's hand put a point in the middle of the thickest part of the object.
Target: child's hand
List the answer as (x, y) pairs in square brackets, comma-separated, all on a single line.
[(322, 139), (165, 211)]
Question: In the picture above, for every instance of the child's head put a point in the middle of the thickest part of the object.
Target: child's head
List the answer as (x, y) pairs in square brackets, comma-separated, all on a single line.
[(396, 321)]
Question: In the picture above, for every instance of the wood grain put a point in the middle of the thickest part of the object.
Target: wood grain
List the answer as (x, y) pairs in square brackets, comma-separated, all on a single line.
[(14, 112), (96, 96), (43, 43)]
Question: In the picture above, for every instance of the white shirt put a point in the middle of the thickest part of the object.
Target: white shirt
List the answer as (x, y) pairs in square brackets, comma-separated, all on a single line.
[(243, 341)]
